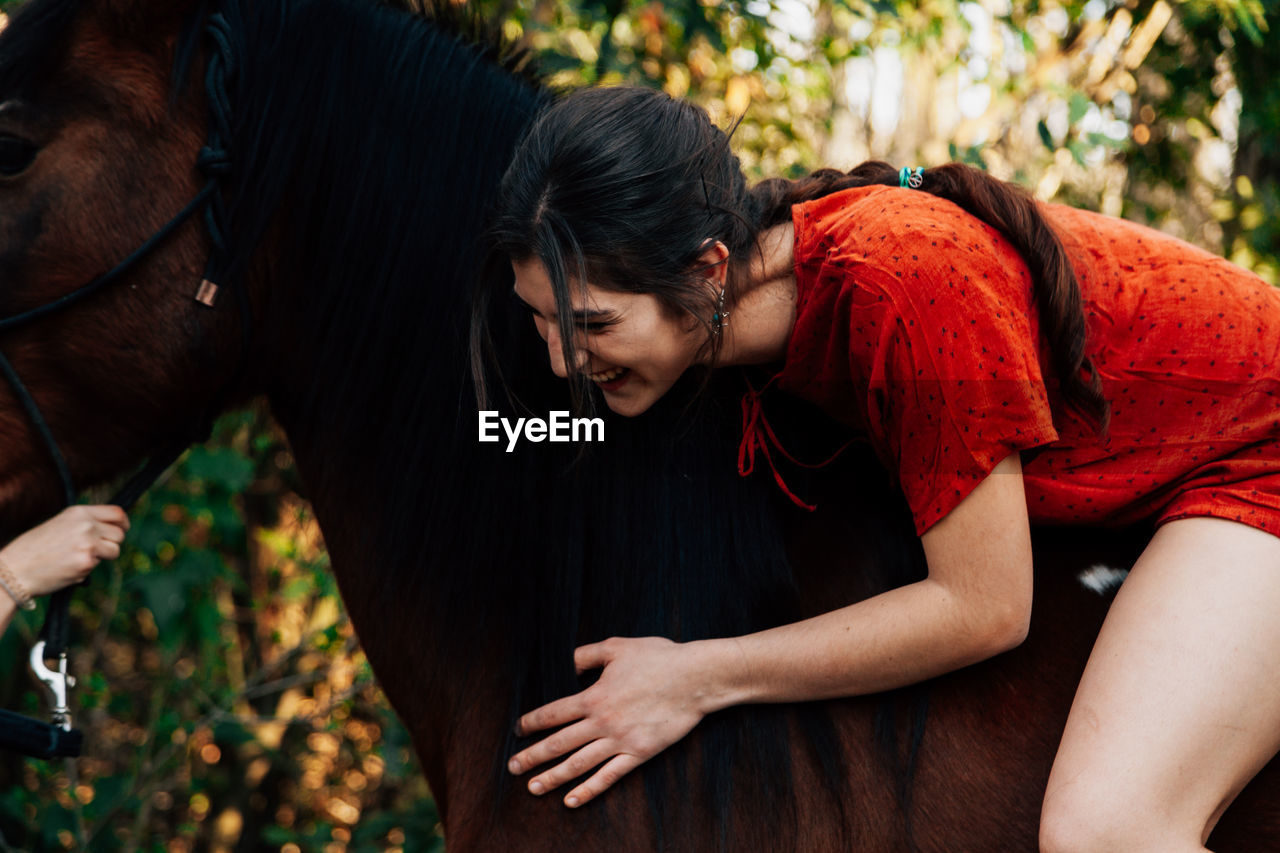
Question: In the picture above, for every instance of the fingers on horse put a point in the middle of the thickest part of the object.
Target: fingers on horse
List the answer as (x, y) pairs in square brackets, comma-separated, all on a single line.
[(553, 714), (594, 655), (602, 780), (551, 748), (583, 761)]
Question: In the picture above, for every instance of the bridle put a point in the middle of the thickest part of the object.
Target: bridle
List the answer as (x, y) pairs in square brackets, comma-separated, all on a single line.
[(58, 738)]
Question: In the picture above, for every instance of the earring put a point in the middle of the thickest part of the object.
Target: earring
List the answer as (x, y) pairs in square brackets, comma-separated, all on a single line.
[(720, 318)]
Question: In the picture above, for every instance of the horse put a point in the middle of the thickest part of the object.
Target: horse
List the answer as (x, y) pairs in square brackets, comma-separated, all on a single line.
[(341, 157)]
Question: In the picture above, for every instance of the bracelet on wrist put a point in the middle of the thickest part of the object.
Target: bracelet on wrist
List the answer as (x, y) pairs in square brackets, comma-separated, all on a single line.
[(16, 590)]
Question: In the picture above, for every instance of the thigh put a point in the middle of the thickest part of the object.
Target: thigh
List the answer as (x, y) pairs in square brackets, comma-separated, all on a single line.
[(1179, 705)]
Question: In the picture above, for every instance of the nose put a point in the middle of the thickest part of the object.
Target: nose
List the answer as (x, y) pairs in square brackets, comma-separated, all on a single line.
[(558, 366)]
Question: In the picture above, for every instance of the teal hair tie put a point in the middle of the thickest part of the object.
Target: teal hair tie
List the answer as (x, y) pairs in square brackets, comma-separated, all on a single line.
[(909, 178)]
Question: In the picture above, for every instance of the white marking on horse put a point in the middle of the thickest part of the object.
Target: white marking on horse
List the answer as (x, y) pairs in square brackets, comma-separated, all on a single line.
[(1102, 579)]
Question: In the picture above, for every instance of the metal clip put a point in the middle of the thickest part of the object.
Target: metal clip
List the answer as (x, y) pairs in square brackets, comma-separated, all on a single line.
[(57, 682), (207, 292)]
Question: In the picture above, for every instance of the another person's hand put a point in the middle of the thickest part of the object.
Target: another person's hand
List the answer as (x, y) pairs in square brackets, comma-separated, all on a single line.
[(63, 550), (650, 695)]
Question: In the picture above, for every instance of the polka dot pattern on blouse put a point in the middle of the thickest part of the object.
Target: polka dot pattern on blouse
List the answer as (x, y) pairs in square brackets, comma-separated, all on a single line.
[(915, 325)]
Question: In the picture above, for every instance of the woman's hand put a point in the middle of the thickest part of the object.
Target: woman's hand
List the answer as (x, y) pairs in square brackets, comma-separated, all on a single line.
[(651, 693), (63, 550)]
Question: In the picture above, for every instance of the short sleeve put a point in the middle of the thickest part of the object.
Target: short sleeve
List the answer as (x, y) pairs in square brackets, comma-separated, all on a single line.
[(953, 387), (915, 324)]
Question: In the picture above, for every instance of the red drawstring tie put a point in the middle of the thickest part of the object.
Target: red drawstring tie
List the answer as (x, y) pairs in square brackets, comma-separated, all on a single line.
[(757, 434)]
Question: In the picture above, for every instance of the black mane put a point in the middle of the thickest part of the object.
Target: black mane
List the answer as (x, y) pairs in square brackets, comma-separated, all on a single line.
[(654, 533)]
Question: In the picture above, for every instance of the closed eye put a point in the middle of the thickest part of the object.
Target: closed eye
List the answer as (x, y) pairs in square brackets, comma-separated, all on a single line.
[(596, 326), (590, 322), (16, 154)]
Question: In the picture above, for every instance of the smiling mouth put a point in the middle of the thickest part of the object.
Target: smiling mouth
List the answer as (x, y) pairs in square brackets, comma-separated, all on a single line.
[(611, 377)]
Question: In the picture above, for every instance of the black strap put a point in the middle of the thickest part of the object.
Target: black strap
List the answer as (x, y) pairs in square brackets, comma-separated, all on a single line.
[(36, 738), (56, 629), (115, 272), (42, 429), (214, 162)]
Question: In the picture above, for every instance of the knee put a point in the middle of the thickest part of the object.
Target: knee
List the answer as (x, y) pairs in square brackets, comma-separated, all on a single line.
[(1105, 821), (1067, 830), (1078, 827)]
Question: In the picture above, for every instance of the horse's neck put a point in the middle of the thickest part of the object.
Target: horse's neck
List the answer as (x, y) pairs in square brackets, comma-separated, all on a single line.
[(361, 286)]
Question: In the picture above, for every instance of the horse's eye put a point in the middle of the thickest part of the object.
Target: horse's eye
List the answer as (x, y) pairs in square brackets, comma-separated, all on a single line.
[(15, 154)]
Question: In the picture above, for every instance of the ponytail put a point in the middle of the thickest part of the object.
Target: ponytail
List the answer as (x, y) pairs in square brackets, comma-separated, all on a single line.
[(623, 186), (1011, 211)]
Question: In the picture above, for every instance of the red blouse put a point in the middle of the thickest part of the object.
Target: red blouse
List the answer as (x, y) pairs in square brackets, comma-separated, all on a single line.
[(915, 326)]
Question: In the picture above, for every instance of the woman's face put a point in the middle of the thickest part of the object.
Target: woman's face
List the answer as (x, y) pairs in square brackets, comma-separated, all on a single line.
[(629, 345)]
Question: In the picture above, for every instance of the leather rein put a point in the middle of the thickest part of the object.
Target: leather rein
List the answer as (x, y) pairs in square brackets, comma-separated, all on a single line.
[(57, 738)]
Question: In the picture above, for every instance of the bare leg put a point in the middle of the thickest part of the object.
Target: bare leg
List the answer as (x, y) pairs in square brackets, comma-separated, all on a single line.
[(1179, 705)]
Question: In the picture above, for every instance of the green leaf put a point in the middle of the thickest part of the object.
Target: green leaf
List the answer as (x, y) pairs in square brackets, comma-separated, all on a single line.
[(1101, 139), (551, 61), (296, 589), (150, 531), (108, 790), (277, 835), (196, 567), (221, 465), (375, 828), (165, 595), (1248, 24), (1045, 136), (53, 820), (1078, 105), (231, 732), (228, 525)]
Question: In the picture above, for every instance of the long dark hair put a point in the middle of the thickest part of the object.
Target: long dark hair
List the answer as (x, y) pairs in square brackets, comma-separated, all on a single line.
[(622, 187)]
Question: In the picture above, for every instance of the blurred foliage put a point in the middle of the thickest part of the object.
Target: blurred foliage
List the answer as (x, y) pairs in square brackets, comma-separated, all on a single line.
[(226, 702), (224, 698), (1159, 110)]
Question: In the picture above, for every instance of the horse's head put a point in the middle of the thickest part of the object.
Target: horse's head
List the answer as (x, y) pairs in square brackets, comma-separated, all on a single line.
[(95, 156)]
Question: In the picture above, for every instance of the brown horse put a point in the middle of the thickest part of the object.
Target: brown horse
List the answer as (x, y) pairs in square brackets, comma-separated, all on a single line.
[(353, 149)]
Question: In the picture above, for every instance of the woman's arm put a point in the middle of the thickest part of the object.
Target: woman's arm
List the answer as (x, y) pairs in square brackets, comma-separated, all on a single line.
[(57, 553), (975, 603)]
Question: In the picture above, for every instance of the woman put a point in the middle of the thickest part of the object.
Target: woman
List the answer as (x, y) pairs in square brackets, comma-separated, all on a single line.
[(57, 553), (1009, 362)]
